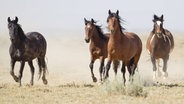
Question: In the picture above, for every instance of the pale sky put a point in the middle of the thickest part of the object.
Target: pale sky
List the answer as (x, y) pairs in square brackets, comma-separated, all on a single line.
[(64, 16)]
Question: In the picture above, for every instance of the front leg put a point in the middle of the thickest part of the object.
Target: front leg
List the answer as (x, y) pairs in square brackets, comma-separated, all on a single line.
[(154, 67), (32, 71), (12, 70), (92, 74), (20, 72)]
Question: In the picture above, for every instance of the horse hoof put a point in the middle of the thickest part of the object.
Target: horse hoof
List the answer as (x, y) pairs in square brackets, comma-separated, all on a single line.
[(100, 83), (94, 79), (16, 79), (31, 83), (165, 75), (45, 82)]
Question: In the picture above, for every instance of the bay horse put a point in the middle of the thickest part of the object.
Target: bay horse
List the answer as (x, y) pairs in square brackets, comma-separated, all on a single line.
[(25, 48), (124, 46), (98, 46), (159, 45)]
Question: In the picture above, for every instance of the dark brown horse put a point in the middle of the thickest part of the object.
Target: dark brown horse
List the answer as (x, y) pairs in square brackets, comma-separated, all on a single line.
[(126, 47), (25, 48), (98, 46), (159, 44)]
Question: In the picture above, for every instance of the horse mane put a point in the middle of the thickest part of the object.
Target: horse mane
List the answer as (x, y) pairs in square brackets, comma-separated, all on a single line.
[(120, 20), (101, 34), (20, 32)]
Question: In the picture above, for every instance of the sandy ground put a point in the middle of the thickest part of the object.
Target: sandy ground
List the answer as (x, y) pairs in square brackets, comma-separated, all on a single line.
[(68, 62)]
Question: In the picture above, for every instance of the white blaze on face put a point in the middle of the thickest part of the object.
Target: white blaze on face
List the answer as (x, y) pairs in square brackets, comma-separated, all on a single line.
[(88, 26), (158, 22)]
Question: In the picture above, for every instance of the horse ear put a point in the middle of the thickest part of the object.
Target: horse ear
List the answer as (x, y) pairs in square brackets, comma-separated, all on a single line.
[(16, 19), (9, 19), (117, 12), (110, 12), (155, 16), (162, 17), (92, 20), (85, 21)]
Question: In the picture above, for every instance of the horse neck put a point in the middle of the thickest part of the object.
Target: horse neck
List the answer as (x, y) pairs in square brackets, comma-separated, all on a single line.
[(118, 34), (22, 36), (96, 39), (20, 39)]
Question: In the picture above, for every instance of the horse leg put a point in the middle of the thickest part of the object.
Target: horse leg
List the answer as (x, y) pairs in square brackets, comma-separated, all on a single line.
[(32, 71), (165, 74), (123, 70), (131, 68), (158, 68), (92, 74), (40, 68), (44, 68), (101, 69), (115, 66), (108, 65), (20, 72), (154, 67), (12, 70)]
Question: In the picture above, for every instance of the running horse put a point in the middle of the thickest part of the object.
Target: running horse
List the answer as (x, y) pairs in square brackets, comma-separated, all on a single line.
[(159, 45), (124, 46), (25, 48), (98, 46)]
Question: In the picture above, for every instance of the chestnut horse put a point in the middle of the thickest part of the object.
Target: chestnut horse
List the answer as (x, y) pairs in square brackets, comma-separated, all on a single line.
[(98, 46), (124, 46), (25, 48), (159, 44)]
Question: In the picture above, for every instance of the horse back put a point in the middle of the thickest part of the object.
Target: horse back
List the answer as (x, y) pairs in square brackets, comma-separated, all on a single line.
[(37, 39), (134, 40)]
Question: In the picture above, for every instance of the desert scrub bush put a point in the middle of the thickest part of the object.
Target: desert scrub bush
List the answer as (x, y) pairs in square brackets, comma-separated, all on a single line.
[(134, 88)]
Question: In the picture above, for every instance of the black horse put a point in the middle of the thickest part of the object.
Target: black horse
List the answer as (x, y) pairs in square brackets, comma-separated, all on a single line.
[(25, 48)]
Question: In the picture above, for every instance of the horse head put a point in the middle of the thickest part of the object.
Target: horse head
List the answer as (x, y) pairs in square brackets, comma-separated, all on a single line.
[(89, 28), (13, 29), (158, 26)]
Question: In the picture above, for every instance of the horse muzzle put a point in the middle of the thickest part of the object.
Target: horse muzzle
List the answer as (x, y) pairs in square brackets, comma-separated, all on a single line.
[(159, 35), (87, 40), (112, 31)]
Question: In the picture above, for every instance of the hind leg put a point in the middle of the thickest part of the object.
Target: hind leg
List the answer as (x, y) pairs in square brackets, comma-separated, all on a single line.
[(32, 72), (108, 66), (131, 68), (123, 70), (115, 66), (92, 74), (12, 70), (43, 67), (101, 69)]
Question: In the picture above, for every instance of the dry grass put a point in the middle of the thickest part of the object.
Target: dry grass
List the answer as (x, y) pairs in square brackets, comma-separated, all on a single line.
[(72, 93)]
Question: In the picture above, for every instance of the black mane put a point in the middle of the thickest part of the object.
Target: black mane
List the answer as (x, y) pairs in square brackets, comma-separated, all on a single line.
[(20, 32), (101, 34)]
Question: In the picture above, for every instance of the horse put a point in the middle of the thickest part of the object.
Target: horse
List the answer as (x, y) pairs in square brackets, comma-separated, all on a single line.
[(98, 46), (124, 46), (159, 45), (25, 48)]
